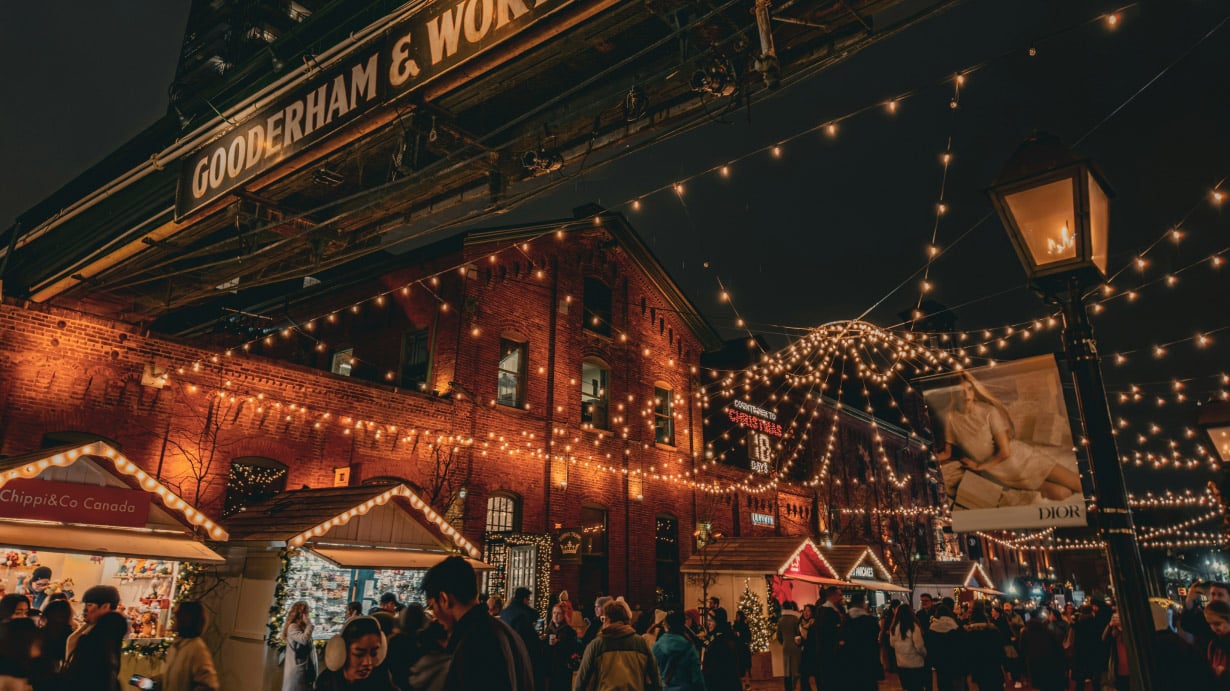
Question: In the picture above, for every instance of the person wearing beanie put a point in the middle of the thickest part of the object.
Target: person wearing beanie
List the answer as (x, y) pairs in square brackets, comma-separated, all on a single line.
[(97, 601)]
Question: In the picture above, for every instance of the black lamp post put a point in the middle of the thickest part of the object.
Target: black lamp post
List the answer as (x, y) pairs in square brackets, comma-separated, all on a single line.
[(1055, 208)]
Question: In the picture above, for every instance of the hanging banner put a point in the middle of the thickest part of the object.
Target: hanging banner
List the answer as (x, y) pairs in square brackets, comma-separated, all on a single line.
[(1004, 443), (431, 42)]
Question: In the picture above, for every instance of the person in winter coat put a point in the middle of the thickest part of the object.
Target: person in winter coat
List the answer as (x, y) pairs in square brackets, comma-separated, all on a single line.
[(824, 642), (188, 666), (676, 657), (618, 659), (807, 659), (94, 664), (354, 659), (521, 617), (743, 634), (788, 636), (1044, 656), (431, 668), (1088, 651), (1217, 650), (404, 647), (984, 648), (721, 665), (563, 651), (487, 654), (944, 644), (906, 637), (299, 669), (861, 651)]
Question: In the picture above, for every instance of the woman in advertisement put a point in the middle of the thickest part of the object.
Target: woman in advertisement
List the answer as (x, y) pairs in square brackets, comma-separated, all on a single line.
[(980, 435)]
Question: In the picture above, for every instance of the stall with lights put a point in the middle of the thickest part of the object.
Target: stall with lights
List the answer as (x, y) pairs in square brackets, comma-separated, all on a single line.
[(773, 569), (858, 564), (327, 547), (80, 515), (961, 580)]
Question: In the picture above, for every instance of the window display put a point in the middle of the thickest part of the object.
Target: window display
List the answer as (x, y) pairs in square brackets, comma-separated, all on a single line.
[(146, 585), (329, 588)]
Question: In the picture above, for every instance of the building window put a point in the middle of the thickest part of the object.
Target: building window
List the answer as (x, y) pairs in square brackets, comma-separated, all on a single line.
[(503, 513), (666, 543), (595, 393), (252, 479), (597, 307), (511, 387), (343, 362), (415, 359), (593, 553), (663, 416)]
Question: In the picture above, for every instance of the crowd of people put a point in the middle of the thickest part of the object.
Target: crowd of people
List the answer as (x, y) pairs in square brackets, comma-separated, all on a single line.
[(58, 649), (990, 645), (459, 641)]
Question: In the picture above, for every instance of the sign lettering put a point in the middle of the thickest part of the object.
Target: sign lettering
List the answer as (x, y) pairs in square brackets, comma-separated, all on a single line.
[(863, 572), (569, 540), (66, 502), (752, 422), (763, 519), (411, 54)]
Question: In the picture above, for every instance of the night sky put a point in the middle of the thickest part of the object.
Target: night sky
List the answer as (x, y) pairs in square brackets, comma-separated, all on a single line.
[(833, 225)]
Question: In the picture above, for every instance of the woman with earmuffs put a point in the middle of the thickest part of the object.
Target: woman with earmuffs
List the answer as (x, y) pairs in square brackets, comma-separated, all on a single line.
[(353, 659)]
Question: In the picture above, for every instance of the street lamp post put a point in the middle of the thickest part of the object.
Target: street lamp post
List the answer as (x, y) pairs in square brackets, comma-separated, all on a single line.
[(1056, 211)]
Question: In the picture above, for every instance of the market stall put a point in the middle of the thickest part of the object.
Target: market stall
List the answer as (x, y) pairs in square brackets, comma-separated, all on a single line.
[(80, 515), (960, 579), (858, 564), (327, 547), (774, 568)]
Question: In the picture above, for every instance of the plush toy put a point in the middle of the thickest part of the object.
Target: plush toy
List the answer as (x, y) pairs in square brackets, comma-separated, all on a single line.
[(12, 559), (31, 559)]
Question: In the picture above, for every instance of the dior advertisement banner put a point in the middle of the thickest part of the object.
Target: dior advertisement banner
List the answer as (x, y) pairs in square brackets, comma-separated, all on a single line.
[(1005, 446)]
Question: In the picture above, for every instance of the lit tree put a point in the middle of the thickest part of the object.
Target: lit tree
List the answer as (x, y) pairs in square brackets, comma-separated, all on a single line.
[(753, 611)]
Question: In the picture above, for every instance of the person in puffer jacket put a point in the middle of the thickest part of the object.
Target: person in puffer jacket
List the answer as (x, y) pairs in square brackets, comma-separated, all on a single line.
[(944, 642), (677, 658), (617, 659)]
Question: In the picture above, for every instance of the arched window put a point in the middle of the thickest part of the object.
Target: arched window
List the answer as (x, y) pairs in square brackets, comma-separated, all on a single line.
[(252, 479), (663, 414), (595, 393), (597, 307), (503, 513)]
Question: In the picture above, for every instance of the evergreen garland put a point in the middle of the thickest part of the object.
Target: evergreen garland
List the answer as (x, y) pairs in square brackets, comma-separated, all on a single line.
[(277, 611)]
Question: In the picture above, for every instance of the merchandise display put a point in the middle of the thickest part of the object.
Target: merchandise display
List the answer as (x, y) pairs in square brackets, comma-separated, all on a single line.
[(329, 588), (146, 585)]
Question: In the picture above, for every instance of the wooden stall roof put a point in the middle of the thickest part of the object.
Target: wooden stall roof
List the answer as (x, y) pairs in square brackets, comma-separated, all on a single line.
[(762, 555)]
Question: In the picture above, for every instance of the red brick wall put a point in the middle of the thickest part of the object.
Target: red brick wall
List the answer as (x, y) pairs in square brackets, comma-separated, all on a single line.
[(65, 371)]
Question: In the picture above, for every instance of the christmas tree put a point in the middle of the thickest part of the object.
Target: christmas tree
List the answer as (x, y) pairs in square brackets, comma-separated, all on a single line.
[(750, 605)]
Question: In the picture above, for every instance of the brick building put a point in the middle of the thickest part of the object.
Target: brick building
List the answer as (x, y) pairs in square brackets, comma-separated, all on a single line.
[(523, 380)]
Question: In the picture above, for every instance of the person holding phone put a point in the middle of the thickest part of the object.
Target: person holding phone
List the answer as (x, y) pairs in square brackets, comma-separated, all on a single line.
[(299, 670)]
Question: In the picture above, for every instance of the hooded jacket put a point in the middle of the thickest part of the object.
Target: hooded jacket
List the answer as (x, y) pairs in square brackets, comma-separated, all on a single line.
[(679, 663), (618, 660)]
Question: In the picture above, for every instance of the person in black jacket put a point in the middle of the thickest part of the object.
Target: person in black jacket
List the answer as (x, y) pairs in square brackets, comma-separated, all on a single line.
[(944, 650), (521, 617), (861, 651), (1044, 655), (984, 648), (563, 652), (824, 641), (487, 655), (94, 664), (721, 665)]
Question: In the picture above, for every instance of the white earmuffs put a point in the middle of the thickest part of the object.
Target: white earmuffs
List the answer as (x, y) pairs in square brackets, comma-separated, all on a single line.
[(335, 649)]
